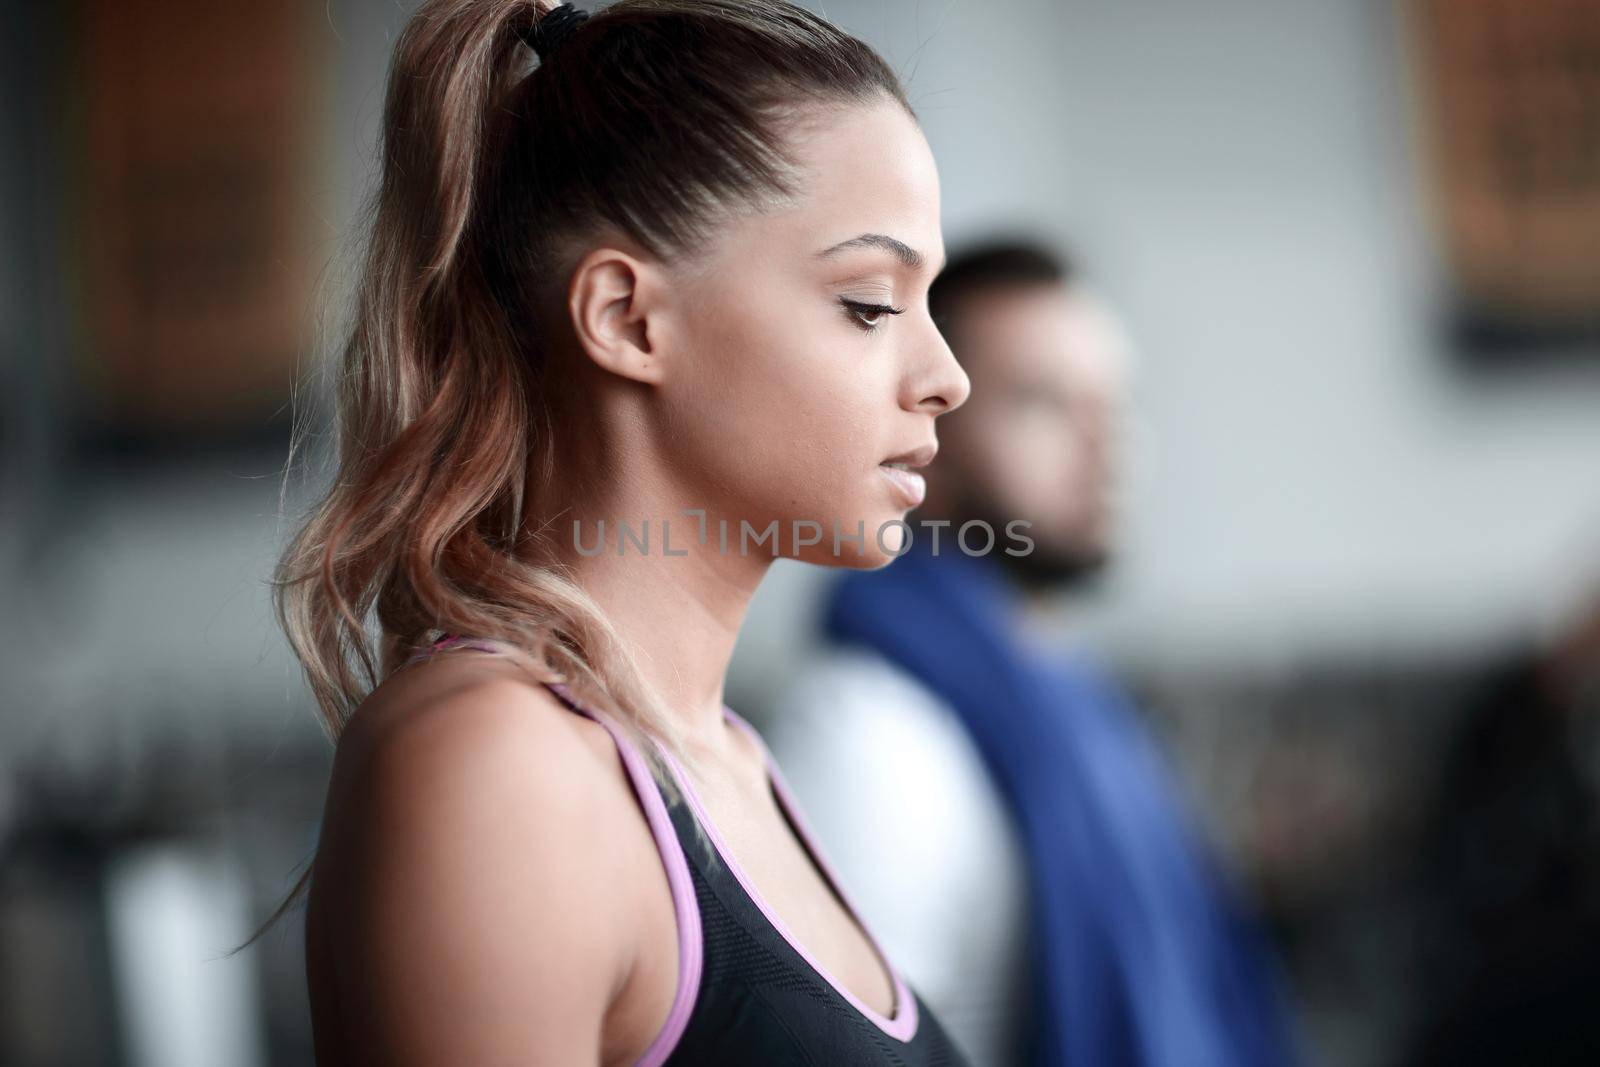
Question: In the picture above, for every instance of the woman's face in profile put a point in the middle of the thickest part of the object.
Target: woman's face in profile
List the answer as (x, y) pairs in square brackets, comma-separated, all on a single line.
[(795, 380)]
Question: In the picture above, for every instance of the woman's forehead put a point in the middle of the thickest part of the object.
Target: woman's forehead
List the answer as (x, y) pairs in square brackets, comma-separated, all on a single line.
[(868, 171)]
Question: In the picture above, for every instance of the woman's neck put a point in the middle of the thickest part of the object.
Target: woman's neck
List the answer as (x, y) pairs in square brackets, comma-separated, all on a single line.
[(675, 597), (679, 615)]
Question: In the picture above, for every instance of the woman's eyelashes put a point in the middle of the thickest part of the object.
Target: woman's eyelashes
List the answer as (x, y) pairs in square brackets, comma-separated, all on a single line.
[(867, 317)]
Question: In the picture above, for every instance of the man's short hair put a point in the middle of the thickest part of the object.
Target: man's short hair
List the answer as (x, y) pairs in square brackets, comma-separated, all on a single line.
[(997, 264)]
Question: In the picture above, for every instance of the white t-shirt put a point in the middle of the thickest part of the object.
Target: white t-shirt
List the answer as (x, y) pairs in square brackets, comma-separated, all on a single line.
[(909, 818)]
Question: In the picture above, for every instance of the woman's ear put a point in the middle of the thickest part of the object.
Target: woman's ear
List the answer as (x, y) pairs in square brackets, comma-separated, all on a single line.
[(613, 299)]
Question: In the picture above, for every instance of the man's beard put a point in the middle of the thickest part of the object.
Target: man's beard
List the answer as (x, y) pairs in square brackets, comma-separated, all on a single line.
[(1048, 567), (1058, 570)]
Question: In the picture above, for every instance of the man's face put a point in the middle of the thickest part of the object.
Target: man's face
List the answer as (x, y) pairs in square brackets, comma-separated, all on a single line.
[(1038, 438)]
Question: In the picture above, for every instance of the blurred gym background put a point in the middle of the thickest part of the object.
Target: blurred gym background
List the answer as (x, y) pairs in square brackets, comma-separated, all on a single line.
[(1357, 243)]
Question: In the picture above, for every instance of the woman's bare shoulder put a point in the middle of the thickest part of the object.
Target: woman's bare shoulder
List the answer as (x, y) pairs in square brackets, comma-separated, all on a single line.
[(466, 699), (468, 850)]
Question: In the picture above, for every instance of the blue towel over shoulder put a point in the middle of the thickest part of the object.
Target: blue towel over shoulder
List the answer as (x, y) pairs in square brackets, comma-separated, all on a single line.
[(1142, 952)]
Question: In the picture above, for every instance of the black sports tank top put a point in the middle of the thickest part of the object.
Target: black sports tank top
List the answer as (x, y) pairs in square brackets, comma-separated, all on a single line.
[(748, 993)]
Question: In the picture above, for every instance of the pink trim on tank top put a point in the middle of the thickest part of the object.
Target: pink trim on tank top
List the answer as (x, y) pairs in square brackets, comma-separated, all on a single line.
[(684, 904), (685, 907), (482, 645), (903, 1026)]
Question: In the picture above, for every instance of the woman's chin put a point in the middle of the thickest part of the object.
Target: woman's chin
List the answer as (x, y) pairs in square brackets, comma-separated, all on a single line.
[(867, 560), (864, 544)]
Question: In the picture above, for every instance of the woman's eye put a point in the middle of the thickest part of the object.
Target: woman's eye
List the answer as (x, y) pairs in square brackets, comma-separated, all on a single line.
[(868, 317)]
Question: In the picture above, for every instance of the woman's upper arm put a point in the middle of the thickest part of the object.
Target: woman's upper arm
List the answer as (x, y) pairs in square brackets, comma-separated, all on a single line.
[(465, 889)]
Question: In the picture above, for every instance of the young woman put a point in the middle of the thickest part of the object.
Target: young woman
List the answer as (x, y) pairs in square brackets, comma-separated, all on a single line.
[(673, 276)]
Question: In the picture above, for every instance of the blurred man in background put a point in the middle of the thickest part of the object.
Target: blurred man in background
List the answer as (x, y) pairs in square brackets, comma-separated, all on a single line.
[(1035, 869)]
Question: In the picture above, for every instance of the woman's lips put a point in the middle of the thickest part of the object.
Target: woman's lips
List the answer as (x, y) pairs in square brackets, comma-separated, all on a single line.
[(909, 484)]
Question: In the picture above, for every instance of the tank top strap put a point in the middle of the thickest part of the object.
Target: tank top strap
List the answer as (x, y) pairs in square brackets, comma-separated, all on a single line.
[(685, 904), (482, 644)]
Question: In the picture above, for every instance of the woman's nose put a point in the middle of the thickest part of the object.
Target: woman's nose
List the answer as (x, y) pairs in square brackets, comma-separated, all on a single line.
[(941, 384)]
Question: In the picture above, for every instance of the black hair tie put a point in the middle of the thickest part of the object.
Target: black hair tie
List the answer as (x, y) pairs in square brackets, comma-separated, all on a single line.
[(552, 28)]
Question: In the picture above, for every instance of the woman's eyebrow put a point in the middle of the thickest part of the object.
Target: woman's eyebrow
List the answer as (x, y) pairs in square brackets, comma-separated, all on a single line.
[(904, 252)]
